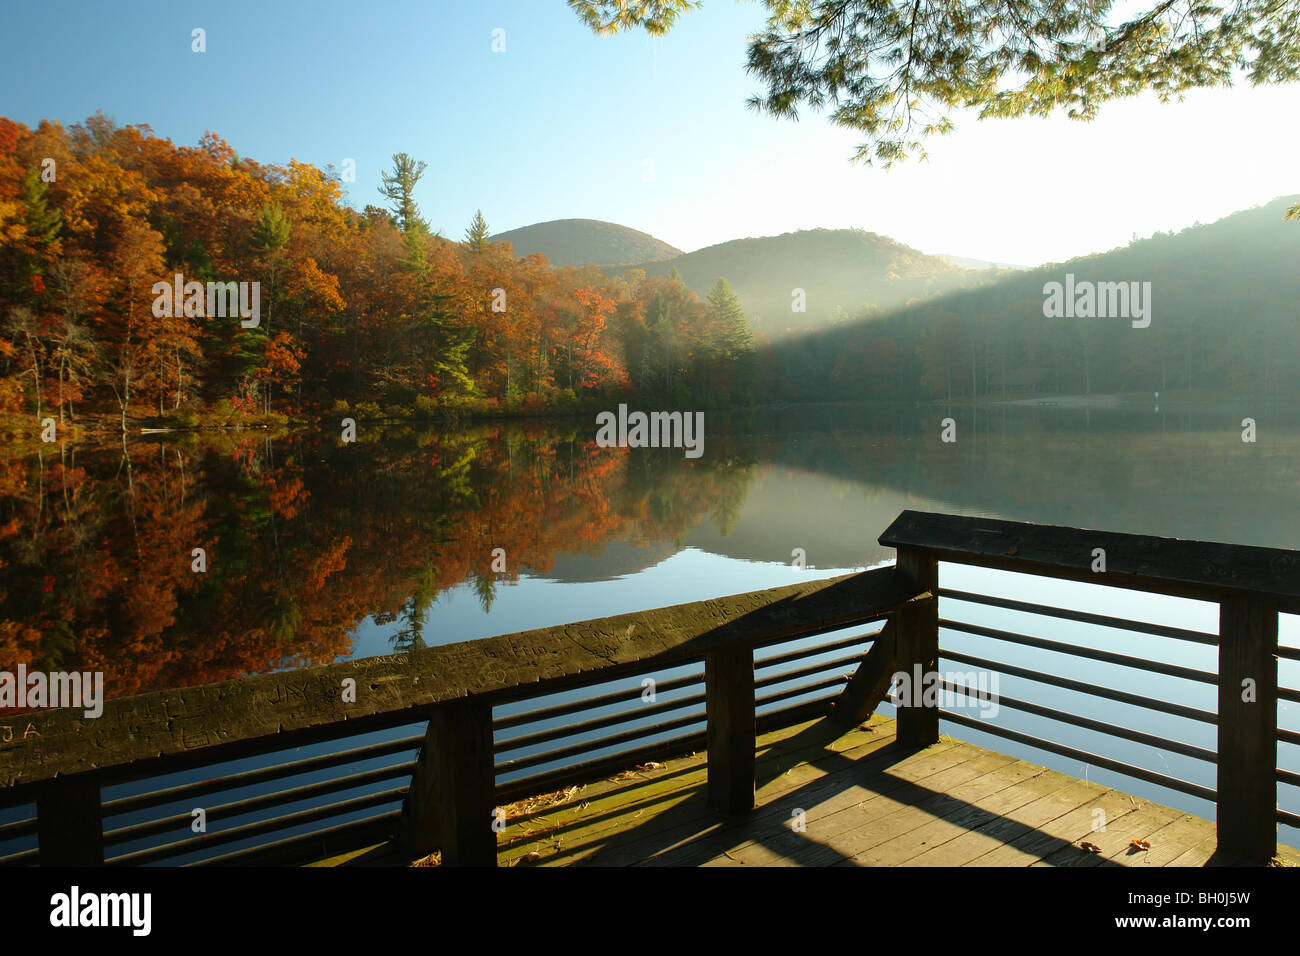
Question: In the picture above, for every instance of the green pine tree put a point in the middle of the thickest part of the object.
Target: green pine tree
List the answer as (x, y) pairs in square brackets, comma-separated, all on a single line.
[(399, 188), (476, 236), (735, 336), (20, 261)]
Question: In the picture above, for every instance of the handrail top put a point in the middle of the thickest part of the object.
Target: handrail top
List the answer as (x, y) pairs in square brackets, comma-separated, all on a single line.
[(1197, 569), (171, 729)]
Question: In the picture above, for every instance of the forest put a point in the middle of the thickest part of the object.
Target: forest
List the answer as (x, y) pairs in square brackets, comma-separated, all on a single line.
[(368, 313), (372, 314)]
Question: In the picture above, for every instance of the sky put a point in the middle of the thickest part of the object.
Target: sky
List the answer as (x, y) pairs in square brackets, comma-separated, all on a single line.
[(651, 133)]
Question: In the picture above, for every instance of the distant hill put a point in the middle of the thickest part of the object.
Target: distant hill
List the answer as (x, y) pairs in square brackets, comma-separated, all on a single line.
[(1220, 315), (966, 263), (577, 242), (841, 271)]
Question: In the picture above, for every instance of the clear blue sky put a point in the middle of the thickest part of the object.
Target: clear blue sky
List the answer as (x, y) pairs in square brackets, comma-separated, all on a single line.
[(562, 125)]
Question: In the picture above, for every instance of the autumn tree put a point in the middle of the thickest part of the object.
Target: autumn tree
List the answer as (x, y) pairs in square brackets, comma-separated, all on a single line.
[(585, 354), (136, 262), (77, 288), (28, 333)]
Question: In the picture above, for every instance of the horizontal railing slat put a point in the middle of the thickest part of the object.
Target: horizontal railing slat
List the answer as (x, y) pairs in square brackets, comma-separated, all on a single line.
[(189, 791), (573, 750), (803, 652), (260, 828), (1095, 690), (598, 723), (21, 857), (785, 676), (16, 829), (1107, 657), (1089, 723), (1083, 617), (341, 838), (225, 811), (599, 768), (589, 703)]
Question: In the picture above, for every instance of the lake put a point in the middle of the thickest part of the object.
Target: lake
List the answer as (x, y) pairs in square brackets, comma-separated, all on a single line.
[(314, 550)]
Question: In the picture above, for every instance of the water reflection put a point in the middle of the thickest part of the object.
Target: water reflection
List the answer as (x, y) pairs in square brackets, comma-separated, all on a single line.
[(317, 551)]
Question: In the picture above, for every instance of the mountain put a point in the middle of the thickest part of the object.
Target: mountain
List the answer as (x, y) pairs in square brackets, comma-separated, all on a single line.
[(841, 272), (577, 242), (967, 263), (1211, 307)]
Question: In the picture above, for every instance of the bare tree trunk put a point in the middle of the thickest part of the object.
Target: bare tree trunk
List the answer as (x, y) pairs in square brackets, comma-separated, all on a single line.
[(180, 373)]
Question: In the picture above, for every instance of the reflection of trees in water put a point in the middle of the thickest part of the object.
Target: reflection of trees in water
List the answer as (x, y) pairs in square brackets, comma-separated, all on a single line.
[(304, 539)]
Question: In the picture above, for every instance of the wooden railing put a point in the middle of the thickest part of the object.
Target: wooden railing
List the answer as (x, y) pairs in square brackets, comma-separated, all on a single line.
[(61, 765), (1250, 585), (470, 724)]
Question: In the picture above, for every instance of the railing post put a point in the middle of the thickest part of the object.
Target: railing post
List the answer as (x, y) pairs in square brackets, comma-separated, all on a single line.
[(1246, 813), (453, 791), (70, 822), (729, 706), (918, 648), (417, 833)]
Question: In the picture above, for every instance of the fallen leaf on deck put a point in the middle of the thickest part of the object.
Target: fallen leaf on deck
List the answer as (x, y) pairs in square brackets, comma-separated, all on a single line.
[(1140, 844), (1089, 847)]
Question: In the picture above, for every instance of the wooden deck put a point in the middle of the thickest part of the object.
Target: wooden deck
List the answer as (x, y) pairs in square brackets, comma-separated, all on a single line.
[(864, 801)]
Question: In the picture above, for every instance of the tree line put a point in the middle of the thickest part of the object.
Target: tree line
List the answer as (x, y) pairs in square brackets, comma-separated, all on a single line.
[(372, 311)]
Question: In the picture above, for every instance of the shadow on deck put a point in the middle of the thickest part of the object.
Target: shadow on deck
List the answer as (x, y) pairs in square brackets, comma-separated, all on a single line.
[(864, 801)]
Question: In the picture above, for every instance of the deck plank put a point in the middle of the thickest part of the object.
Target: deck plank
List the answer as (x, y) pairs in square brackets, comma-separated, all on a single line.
[(865, 800), (1016, 810), (853, 798), (595, 814)]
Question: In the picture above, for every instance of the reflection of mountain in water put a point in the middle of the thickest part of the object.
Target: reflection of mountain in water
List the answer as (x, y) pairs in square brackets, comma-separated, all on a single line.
[(1176, 475), (836, 522), (617, 559)]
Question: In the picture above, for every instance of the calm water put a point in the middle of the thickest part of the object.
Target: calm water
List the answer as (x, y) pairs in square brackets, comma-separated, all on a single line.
[(318, 552)]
